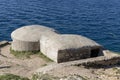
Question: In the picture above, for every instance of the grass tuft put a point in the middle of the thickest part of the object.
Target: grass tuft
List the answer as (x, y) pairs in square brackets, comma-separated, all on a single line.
[(41, 55), (27, 54), (23, 54), (44, 77), (12, 77)]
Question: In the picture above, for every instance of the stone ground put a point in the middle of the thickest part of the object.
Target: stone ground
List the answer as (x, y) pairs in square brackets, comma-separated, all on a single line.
[(112, 73), (26, 67), (22, 67)]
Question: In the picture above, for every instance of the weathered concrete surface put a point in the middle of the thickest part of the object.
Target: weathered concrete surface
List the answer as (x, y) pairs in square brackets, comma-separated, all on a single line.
[(30, 33), (27, 38), (62, 48), (94, 62)]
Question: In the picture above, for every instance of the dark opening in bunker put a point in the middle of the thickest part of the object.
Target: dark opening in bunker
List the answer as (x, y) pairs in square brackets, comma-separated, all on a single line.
[(94, 52)]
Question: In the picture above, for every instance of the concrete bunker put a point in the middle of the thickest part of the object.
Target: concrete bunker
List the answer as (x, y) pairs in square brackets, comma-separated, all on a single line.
[(27, 38), (58, 47), (62, 48)]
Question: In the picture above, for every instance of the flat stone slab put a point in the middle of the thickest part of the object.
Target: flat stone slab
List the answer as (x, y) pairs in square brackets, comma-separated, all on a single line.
[(103, 60)]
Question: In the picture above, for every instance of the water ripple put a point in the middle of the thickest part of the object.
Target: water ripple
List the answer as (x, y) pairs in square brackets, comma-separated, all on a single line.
[(96, 19)]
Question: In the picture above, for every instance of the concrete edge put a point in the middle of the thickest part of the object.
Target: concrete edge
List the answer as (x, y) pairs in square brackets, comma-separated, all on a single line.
[(102, 60)]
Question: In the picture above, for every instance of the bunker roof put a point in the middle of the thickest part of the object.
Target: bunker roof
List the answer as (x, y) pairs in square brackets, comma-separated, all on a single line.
[(69, 41), (31, 33)]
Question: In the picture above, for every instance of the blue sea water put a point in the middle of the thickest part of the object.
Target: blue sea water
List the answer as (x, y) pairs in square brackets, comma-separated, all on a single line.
[(95, 19)]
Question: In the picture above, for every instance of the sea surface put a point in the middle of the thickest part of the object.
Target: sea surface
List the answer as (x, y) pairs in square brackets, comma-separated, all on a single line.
[(95, 19)]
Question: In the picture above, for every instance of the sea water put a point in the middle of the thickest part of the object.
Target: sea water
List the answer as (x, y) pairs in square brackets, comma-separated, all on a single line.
[(95, 19)]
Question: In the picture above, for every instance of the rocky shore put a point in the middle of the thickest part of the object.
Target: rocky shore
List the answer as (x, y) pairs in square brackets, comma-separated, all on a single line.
[(105, 68)]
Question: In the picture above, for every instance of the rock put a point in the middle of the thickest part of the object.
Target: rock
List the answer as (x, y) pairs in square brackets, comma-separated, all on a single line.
[(3, 43), (73, 77)]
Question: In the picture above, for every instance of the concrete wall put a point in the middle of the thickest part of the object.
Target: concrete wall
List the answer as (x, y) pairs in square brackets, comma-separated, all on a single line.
[(48, 48), (25, 45), (73, 54), (76, 54)]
